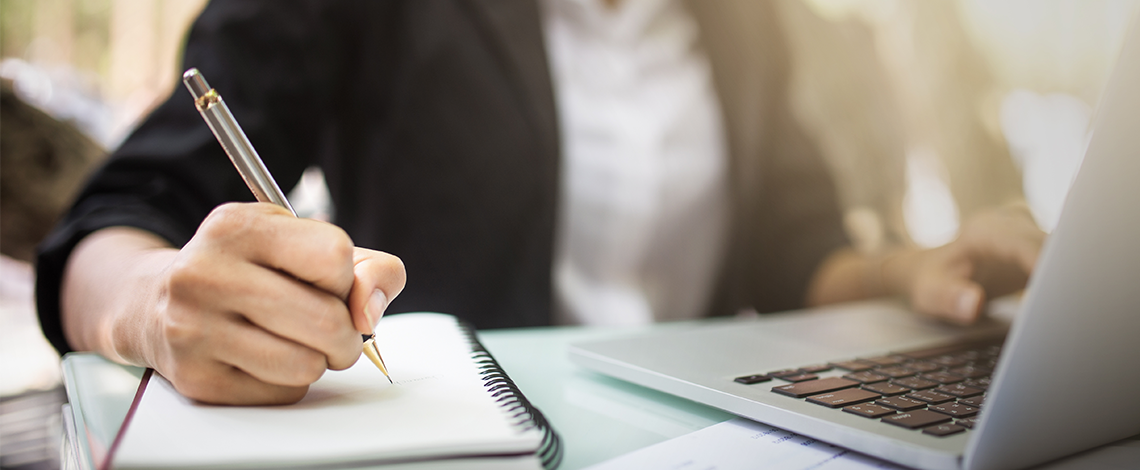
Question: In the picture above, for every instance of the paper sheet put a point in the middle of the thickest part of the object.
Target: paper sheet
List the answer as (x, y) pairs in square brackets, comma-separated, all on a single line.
[(743, 444)]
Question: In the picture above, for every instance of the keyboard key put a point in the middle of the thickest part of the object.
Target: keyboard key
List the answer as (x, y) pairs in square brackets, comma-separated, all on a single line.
[(816, 368), (959, 390), (989, 346), (956, 410), (915, 383), (916, 419), (868, 410), (887, 389), (942, 377), (783, 372), (845, 397), (894, 372), (975, 402), (967, 423), (814, 387), (854, 366), (799, 377), (930, 397), (752, 379), (866, 377), (901, 403), (942, 430)]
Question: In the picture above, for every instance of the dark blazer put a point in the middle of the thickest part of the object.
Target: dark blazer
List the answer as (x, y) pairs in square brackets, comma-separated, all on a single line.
[(434, 123)]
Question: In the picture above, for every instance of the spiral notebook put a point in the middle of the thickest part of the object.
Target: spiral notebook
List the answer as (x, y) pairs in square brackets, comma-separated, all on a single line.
[(451, 406)]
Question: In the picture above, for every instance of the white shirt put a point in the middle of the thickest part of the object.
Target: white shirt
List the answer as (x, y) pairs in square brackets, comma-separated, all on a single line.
[(644, 204)]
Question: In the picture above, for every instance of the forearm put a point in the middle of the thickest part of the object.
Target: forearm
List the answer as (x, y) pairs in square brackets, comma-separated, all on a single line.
[(110, 284)]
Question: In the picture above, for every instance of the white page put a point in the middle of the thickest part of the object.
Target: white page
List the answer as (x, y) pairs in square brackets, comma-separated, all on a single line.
[(741, 444), (438, 405)]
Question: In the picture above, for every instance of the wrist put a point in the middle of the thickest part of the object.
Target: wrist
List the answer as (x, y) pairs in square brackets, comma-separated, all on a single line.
[(137, 332), (109, 290)]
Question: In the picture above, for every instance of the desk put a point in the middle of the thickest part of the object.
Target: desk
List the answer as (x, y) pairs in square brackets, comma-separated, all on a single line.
[(600, 418)]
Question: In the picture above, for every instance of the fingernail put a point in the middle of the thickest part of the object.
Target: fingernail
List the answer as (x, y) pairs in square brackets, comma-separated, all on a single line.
[(375, 308), (967, 305)]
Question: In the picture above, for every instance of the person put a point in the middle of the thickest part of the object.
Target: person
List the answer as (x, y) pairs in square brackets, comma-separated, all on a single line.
[(567, 161)]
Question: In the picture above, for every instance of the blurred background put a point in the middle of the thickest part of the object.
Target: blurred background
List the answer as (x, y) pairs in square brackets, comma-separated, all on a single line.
[(927, 110)]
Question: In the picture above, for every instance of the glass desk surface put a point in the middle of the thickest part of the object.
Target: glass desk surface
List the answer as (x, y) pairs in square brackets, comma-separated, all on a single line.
[(598, 417)]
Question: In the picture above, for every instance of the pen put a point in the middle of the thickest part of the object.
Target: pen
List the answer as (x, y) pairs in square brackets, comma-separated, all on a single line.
[(249, 164)]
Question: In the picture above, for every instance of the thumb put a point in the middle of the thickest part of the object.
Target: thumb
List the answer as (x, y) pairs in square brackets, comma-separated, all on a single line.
[(957, 300), (378, 278)]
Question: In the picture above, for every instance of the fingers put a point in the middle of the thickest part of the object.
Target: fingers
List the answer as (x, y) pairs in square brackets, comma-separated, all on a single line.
[(306, 316), (209, 361), (953, 299), (943, 286), (379, 278), (206, 291), (272, 359), (315, 252)]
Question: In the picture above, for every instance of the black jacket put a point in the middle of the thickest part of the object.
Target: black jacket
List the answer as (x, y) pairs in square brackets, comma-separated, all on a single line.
[(434, 123)]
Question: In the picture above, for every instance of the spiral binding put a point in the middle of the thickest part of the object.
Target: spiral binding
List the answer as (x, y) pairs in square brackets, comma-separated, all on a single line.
[(508, 395)]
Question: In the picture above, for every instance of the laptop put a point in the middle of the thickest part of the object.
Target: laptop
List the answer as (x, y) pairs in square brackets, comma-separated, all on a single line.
[(1061, 377)]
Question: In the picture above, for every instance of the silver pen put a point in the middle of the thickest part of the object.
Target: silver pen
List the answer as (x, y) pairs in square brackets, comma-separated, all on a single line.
[(248, 163)]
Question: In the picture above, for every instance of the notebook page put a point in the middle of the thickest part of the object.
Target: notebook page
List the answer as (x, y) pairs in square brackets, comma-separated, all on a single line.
[(438, 406)]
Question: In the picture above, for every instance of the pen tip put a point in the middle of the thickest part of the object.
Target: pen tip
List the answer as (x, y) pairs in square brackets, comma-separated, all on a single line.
[(373, 354)]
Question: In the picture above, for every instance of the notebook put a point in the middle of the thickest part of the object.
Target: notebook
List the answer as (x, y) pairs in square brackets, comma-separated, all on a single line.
[(1061, 378), (451, 407)]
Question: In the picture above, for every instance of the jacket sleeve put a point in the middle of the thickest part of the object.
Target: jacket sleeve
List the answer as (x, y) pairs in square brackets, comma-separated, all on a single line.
[(265, 59)]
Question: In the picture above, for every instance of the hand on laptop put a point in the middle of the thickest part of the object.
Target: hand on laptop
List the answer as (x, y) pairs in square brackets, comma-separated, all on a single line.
[(993, 256), (253, 309)]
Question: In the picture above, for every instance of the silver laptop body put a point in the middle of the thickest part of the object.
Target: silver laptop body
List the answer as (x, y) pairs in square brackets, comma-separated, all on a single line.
[(1068, 378)]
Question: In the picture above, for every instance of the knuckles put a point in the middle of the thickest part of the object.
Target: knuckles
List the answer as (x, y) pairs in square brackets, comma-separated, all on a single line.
[(331, 260), (230, 220), (339, 247)]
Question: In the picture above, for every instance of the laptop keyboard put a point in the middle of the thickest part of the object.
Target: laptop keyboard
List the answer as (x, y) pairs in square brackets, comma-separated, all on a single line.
[(937, 391)]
